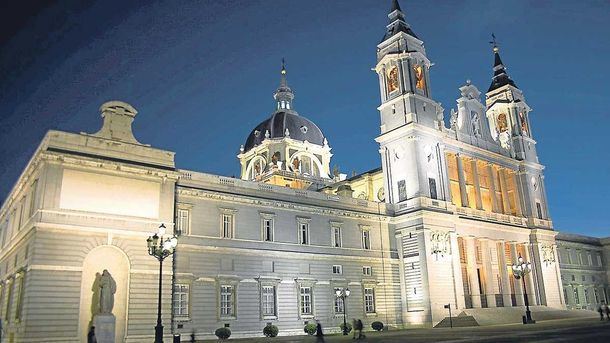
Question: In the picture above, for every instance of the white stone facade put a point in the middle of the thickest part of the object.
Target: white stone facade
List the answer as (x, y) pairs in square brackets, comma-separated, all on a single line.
[(442, 220)]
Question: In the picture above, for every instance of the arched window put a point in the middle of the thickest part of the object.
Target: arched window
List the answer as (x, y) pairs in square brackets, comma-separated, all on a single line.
[(306, 164), (256, 167)]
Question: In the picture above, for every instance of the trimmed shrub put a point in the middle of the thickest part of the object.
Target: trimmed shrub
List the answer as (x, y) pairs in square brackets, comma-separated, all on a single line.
[(310, 329), (377, 326), (223, 333), (270, 331), (349, 327)]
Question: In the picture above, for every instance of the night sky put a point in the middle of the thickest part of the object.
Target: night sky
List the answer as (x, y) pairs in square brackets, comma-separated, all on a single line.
[(202, 75)]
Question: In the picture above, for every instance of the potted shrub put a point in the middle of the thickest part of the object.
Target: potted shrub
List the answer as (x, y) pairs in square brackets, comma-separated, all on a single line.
[(223, 333), (270, 330), (377, 326), (349, 327), (310, 329)]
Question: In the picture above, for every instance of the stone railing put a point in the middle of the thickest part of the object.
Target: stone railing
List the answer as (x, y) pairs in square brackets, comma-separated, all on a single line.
[(216, 181)]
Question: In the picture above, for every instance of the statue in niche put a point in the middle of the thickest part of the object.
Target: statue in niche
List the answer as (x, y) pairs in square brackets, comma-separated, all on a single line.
[(420, 82), (392, 77), (107, 287), (275, 158), (476, 125), (502, 123), (257, 169), (296, 164), (523, 123)]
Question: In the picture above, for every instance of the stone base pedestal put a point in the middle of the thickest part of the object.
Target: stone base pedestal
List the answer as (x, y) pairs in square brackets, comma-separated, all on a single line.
[(105, 328)]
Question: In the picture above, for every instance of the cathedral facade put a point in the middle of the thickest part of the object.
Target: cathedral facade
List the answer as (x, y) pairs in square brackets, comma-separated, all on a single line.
[(440, 222)]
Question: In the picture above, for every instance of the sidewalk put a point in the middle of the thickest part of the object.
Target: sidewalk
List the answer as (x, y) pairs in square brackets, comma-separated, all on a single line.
[(566, 330)]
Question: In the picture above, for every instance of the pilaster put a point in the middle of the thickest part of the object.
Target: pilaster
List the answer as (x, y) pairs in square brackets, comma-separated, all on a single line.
[(477, 186), (462, 179), (471, 253), (517, 283)]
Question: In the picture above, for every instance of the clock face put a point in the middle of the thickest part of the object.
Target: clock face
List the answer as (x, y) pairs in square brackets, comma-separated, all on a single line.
[(381, 194), (392, 77), (420, 82)]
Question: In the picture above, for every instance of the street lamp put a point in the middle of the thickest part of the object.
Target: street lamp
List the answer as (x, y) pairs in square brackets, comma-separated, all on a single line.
[(520, 269), (160, 248), (342, 294)]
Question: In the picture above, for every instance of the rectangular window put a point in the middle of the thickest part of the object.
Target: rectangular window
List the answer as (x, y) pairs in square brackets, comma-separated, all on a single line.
[(580, 260), (32, 207), (339, 305), (337, 269), (181, 300), (183, 221), (227, 225), (590, 259), (306, 301), (268, 301), (539, 210), (227, 301), (9, 299), (337, 241), (432, 183), (267, 229), (366, 239), (369, 300), (366, 270), (304, 233)]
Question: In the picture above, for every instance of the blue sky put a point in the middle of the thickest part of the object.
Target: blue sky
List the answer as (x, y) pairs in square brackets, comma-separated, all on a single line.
[(202, 75)]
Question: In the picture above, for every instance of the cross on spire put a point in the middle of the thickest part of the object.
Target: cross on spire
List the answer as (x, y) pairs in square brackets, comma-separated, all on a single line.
[(494, 43)]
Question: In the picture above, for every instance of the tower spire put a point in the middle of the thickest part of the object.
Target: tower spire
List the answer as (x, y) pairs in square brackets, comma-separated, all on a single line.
[(283, 95), (500, 77), (397, 22)]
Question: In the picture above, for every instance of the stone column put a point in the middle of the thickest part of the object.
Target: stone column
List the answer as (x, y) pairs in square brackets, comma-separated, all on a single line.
[(487, 273), (518, 286), (477, 185), (462, 179), (458, 283), (504, 190), (492, 188), (517, 195), (504, 275), (473, 280)]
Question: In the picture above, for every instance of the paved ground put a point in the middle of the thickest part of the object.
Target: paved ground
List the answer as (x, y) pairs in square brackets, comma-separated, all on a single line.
[(572, 330)]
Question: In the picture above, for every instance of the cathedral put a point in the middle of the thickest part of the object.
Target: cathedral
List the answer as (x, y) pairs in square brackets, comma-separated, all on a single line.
[(438, 223)]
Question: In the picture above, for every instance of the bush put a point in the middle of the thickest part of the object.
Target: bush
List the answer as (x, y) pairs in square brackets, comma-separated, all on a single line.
[(310, 329), (377, 326), (349, 327), (223, 333), (270, 331)]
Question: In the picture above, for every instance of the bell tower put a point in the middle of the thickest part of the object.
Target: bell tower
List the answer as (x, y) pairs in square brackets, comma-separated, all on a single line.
[(411, 121), (508, 117), (508, 113)]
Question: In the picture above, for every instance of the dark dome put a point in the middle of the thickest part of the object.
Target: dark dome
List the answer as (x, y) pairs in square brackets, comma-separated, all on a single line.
[(300, 128)]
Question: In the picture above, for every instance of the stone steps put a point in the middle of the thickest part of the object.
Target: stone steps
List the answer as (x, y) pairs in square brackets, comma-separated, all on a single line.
[(460, 321)]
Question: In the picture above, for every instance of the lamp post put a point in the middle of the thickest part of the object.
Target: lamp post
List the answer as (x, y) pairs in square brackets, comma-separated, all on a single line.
[(520, 269), (342, 294), (160, 248)]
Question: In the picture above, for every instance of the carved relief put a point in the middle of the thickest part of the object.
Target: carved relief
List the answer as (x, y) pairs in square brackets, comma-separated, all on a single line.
[(548, 254), (440, 243)]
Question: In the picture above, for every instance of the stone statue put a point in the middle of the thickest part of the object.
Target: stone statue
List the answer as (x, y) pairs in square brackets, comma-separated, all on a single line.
[(107, 289)]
